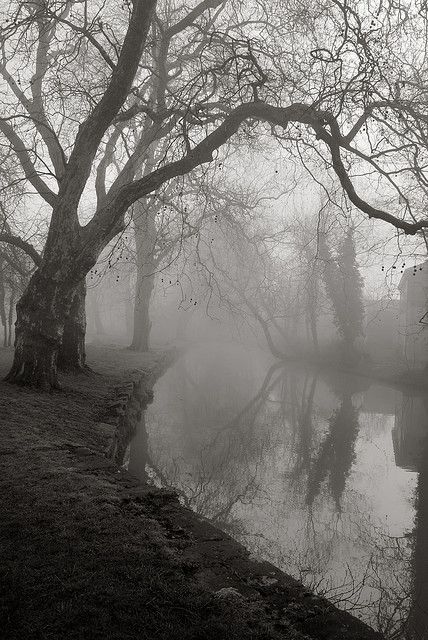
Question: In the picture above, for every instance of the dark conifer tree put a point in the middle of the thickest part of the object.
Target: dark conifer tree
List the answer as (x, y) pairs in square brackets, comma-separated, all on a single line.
[(349, 310), (344, 288)]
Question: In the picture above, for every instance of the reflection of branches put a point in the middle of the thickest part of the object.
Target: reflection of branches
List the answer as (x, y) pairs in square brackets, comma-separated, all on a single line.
[(252, 408), (227, 467), (223, 473), (304, 430), (258, 400), (214, 487)]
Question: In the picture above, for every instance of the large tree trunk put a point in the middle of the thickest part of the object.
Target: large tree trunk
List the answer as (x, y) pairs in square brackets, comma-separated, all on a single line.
[(41, 314), (3, 318), (145, 239), (72, 355)]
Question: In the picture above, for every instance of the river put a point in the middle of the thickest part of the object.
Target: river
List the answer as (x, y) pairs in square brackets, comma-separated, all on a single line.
[(323, 474)]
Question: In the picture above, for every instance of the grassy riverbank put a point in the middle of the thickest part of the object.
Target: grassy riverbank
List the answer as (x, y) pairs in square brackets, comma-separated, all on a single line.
[(87, 553)]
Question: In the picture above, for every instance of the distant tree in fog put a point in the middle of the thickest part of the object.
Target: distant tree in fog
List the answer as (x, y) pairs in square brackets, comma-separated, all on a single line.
[(18, 256), (344, 287), (241, 272), (350, 309), (165, 226)]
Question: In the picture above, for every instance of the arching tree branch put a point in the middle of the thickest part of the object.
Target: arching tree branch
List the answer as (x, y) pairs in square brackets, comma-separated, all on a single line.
[(25, 246), (93, 129), (28, 167), (108, 220)]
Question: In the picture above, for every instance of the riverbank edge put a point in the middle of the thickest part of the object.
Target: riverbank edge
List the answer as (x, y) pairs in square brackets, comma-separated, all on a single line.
[(219, 563), (409, 381)]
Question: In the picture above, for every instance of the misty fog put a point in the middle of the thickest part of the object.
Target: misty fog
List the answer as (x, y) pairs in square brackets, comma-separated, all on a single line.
[(214, 301)]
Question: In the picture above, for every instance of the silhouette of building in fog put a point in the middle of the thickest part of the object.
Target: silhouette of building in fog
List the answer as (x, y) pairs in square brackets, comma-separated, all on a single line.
[(413, 324)]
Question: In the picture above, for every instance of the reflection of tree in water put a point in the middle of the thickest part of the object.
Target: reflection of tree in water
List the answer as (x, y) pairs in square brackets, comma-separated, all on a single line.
[(336, 454), (398, 567), (138, 452), (220, 454), (302, 423), (397, 570), (222, 464)]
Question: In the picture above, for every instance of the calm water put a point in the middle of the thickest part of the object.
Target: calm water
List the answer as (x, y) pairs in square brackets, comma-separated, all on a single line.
[(323, 475)]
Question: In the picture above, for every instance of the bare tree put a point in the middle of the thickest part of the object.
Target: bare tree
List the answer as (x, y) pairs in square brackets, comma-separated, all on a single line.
[(243, 76), (344, 286)]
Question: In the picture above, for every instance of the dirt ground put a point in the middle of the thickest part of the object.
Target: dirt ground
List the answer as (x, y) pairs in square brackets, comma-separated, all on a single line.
[(86, 552)]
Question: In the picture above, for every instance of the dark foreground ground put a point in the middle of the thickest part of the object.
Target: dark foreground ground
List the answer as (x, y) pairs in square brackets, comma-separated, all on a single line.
[(86, 552)]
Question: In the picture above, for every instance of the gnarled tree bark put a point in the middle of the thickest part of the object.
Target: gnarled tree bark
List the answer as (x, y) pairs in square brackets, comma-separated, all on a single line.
[(53, 299), (41, 313), (72, 355)]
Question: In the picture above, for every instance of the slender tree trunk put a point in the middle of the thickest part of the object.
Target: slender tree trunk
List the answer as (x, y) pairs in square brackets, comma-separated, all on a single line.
[(3, 306), (10, 315), (312, 302), (128, 308), (72, 354), (142, 323), (3, 312), (314, 330), (145, 239), (95, 315), (98, 319)]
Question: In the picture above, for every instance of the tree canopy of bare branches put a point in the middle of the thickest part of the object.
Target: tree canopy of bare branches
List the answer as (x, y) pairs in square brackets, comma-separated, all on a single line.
[(88, 89)]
